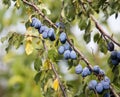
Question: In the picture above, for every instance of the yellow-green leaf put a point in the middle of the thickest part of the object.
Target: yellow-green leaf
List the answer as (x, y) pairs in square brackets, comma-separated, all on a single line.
[(28, 48), (47, 65), (55, 84)]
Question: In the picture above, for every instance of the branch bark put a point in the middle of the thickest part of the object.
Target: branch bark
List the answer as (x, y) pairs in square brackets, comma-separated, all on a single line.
[(102, 31)]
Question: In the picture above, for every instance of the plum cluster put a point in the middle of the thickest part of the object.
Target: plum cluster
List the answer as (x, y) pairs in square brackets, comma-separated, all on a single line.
[(99, 87), (93, 84), (42, 29), (66, 49), (115, 55), (87, 71)]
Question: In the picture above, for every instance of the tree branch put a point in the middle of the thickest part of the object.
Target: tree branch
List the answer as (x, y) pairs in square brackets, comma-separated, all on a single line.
[(60, 83), (81, 55), (102, 31), (40, 12)]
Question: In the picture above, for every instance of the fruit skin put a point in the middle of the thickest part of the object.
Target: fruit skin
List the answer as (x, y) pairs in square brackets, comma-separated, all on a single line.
[(86, 71), (106, 79), (101, 72), (73, 55), (63, 37), (36, 23), (96, 69), (67, 54), (114, 55), (42, 29), (78, 69), (115, 62), (110, 46), (106, 95), (92, 84), (118, 56), (45, 35), (61, 50), (99, 88), (106, 85), (67, 46), (51, 34), (60, 25)]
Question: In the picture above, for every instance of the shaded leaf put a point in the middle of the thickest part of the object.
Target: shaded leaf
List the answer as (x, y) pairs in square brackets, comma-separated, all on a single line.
[(102, 46), (96, 37), (37, 77), (87, 35), (37, 63)]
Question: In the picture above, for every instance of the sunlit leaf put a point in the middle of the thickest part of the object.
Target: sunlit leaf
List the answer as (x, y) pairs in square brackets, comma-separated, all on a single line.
[(47, 65), (28, 48), (56, 84)]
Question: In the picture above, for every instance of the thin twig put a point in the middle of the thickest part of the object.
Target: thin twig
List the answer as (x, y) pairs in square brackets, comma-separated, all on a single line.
[(40, 12), (102, 31), (81, 55), (60, 83), (43, 42), (113, 91)]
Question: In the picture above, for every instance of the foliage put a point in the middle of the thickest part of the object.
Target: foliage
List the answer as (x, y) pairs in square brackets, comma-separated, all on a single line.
[(37, 71)]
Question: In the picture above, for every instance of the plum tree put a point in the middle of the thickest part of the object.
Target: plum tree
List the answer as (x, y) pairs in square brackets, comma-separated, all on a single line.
[(48, 41)]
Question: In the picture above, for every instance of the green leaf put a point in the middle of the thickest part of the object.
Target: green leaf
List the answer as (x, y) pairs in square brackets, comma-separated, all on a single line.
[(27, 24), (102, 46), (87, 35), (82, 23), (110, 63), (116, 73), (37, 77), (96, 37), (68, 12), (14, 39), (52, 54), (37, 63)]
